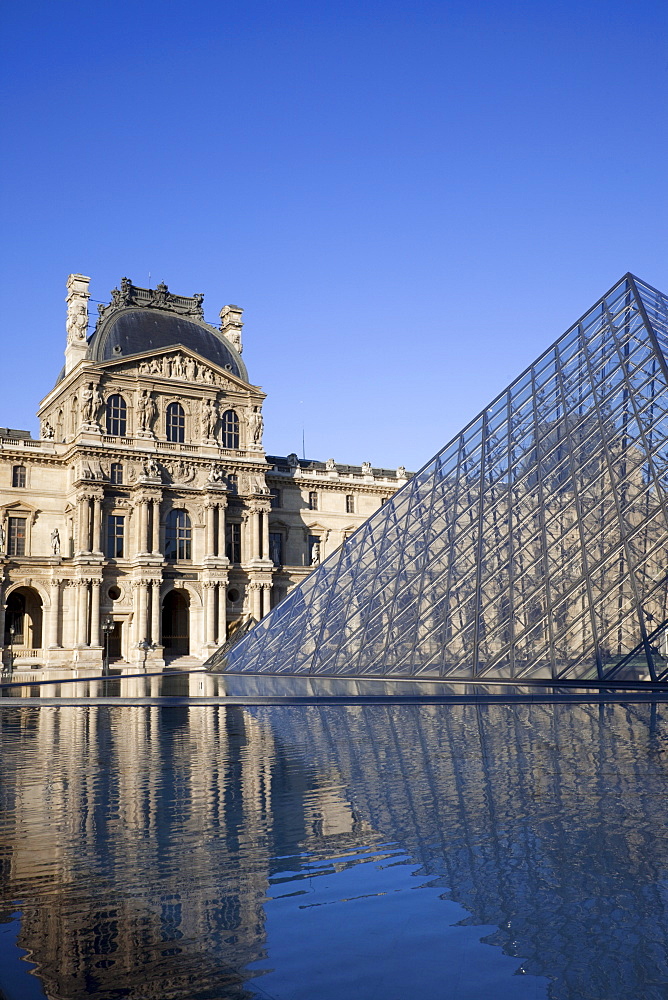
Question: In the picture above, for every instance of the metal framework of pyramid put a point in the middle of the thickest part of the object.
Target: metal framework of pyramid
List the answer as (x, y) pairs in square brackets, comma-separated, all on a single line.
[(534, 546)]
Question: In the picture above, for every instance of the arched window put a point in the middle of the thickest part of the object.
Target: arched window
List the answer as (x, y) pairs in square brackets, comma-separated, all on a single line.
[(230, 422), (178, 536), (176, 422), (117, 416), (116, 473)]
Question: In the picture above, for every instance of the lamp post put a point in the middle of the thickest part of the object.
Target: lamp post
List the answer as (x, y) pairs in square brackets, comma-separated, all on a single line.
[(144, 645), (12, 633), (107, 628)]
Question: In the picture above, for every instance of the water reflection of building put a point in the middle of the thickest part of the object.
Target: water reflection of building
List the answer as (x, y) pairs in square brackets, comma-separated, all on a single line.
[(532, 546), (541, 821), (188, 809)]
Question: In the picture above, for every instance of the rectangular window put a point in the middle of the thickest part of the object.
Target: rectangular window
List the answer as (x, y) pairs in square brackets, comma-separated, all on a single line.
[(275, 498), (19, 476), (313, 500), (116, 474), (16, 536), (350, 503), (276, 547), (233, 542), (115, 536), (232, 482)]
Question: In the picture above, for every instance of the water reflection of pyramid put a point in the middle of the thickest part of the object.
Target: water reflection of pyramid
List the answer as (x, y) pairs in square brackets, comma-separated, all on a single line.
[(534, 545)]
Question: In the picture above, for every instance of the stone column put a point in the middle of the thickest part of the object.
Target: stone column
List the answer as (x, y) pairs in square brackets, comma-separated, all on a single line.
[(95, 614), (155, 612), (141, 624), (221, 529), (209, 514), (82, 612), (255, 534), (84, 524), (54, 615), (156, 529), (264, 521), (142, 526), (210, 591), (256, 600), (97, 526), (266, 598)]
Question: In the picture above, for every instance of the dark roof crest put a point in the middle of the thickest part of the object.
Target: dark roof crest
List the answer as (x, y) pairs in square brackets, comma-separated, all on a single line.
[(152, 298)]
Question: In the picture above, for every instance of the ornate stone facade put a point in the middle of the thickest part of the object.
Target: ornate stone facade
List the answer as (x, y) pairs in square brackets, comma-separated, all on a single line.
[(148, 505)]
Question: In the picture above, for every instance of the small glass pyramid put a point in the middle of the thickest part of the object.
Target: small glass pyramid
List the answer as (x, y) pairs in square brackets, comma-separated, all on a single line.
[(533, 546)]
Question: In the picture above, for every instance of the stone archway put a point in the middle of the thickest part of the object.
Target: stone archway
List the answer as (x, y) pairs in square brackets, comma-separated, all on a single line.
[(24, 615), (176, 623)]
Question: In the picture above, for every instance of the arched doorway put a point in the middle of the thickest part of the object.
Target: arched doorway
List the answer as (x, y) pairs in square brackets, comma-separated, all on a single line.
[(24, 615), (176, 623)]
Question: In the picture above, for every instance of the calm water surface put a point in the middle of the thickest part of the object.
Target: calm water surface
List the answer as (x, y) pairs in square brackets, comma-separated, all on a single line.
[(302, 852)]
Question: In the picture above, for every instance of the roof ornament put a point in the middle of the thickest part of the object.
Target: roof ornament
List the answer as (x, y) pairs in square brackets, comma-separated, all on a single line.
[(160, 297)]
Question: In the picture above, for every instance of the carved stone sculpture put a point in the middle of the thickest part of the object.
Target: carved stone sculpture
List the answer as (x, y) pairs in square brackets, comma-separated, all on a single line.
[(366, 468), (209, 418), (315, 554), (55, 542), (91, 401), (147, 410), (216, 474), (77, 320), (256, 426)]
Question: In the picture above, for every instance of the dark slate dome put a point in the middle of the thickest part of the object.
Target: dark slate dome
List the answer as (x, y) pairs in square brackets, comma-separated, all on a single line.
[(134, 331)]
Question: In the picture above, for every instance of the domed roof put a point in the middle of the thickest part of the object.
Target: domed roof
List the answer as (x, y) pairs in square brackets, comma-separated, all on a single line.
[(140, 320)]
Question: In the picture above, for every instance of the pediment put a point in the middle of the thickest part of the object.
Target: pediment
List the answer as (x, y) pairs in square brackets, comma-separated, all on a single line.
[(176, 364)]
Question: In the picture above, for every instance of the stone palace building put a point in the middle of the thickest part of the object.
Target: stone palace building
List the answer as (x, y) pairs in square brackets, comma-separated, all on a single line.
[(148, 503)]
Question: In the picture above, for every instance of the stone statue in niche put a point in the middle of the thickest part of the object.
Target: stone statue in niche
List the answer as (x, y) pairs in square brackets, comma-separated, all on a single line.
[(91, 401), (55, 542), (209, 418), (3, 537), (256, 425), (48, 432), (315, 553), (147, 410)]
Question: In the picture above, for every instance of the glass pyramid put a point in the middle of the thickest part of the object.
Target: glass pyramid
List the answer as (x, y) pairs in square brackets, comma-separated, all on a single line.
[(533, 546)]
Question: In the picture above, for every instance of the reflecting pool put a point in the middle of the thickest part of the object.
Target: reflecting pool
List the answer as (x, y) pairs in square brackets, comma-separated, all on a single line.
[(369, 851)]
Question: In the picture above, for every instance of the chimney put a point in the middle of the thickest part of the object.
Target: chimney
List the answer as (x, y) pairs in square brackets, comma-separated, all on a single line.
[(77, 320)]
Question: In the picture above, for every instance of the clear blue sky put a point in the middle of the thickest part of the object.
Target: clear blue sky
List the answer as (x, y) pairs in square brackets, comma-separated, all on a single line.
[(409, 199)]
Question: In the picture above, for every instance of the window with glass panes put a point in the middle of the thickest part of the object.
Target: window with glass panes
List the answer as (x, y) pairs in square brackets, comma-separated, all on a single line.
[(276, 547), (16, 536), (178, 536), (117, 416), (313, 500), (275, 498), (233, 542), (176, 423), (115, 536), (19, 476), (116, 473), (230, 429), (350, 503)]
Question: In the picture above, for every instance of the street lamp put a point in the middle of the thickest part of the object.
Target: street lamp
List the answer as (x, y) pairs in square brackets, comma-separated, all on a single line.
[(12, 633), (144, 645), (107, 628)]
